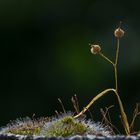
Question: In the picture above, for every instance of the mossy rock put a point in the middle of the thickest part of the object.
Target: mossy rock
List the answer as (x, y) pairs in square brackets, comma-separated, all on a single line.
[(64, 125)]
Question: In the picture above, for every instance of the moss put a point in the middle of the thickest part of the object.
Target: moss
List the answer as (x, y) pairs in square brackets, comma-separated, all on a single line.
[(25, 126), (65, 127), (26, 130)]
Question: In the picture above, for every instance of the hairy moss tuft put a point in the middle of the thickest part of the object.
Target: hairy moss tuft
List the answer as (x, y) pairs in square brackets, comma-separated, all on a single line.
[(25, 126), (65, 127), (68, 126)]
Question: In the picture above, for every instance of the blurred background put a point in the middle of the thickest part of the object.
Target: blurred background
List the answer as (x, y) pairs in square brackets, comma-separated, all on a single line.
[(44, 55)]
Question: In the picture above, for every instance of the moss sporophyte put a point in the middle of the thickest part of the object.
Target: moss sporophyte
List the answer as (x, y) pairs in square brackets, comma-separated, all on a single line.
[(69, 124)]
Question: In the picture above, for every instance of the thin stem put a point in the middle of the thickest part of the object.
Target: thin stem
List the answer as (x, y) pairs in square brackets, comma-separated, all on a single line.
[(106, 58), (124, 117), (116, 64), (123, 114), (117, 52), (93, 100), (116, 78)]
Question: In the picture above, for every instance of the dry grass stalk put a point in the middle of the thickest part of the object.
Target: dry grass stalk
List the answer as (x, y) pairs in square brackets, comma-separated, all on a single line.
[(96, 49)]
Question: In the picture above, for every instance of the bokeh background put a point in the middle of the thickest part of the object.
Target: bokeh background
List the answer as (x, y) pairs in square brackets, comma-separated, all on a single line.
[(44, 55)]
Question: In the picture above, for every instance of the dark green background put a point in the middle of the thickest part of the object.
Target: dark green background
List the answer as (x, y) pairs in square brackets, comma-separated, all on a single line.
[(44, 54)]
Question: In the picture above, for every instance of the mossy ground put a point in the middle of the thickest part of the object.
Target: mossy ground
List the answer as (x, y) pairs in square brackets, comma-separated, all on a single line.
[(64, 125)]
